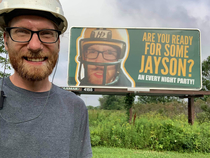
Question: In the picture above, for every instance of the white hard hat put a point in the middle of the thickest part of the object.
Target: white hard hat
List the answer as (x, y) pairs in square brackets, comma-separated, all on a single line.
[(49, 6)]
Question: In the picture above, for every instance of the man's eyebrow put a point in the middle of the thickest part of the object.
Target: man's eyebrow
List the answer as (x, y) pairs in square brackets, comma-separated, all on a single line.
[(26, 27)]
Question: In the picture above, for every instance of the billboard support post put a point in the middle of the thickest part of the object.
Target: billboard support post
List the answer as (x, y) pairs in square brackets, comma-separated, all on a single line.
[(191, 110)]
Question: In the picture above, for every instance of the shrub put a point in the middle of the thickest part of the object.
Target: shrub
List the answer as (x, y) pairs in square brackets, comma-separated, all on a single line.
[(151, 131)]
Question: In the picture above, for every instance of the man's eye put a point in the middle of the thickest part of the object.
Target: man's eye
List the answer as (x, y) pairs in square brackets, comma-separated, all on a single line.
[(91, 51), (47, 33), (21, 31), (111, 53)]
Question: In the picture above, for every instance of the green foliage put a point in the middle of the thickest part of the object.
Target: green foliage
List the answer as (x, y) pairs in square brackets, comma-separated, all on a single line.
[(203, 117), (206, 74), (129, 101), (204, 113), (90, 107), (151, 131), (2, 56), (111, 102), (169, 109), (156, 99)]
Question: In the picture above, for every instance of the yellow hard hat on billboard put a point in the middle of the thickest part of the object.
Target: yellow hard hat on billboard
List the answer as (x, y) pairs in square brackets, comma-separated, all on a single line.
[(109, 36)]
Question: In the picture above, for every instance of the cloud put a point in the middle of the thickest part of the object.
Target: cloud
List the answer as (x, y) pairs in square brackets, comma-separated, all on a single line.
[(89, 13)]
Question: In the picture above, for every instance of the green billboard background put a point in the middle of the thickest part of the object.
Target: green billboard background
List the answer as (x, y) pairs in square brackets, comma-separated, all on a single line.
[(156, 59)]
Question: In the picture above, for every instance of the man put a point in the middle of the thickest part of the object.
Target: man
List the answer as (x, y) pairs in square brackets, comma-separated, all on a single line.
[(101, 54), (38, 119)]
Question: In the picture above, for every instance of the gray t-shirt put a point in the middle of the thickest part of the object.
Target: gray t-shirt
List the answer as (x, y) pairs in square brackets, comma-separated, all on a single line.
[(61, 131)]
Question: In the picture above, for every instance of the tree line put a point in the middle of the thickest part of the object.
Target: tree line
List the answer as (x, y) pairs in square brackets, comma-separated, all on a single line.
[(3, 58)]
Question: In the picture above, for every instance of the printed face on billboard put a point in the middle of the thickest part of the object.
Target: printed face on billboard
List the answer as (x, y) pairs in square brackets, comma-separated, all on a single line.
[(101, 54), (98, 53)]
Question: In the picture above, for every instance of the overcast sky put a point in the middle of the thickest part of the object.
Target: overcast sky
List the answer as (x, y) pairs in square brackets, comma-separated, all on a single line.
[(132, 13)]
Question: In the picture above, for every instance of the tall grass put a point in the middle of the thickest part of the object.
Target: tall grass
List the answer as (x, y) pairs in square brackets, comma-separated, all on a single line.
[(151, 131)]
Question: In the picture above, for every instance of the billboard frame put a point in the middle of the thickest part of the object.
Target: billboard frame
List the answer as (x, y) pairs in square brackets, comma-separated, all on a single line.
[(139, 88)]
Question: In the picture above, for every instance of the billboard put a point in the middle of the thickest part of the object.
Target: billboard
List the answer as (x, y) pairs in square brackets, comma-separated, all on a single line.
[(135, 58)]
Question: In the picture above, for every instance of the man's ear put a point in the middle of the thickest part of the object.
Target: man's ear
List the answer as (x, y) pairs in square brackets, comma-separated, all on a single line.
[(6, 36), (59, 44)]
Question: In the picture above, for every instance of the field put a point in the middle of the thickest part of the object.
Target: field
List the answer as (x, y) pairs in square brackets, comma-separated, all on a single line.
[(104, 152), (152, 133)]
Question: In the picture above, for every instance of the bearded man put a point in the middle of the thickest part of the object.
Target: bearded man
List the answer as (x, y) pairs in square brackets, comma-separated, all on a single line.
[(38, 119)]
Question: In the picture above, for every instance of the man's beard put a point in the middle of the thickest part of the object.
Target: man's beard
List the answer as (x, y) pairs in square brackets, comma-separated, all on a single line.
[(109, 75), (33, 73)]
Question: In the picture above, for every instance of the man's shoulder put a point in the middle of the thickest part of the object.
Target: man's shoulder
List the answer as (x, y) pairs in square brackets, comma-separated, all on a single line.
[(62, 92), (123, 80), (70, 97)]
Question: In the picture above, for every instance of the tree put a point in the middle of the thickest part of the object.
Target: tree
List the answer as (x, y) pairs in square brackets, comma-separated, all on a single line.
[(3, 53), (206, 74), (129, 101), (90, 107), (111, 102), (156, 99), (205, 77)]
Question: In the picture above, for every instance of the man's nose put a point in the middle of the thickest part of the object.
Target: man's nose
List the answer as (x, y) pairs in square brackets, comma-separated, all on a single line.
[(35, 44), (100, 58)]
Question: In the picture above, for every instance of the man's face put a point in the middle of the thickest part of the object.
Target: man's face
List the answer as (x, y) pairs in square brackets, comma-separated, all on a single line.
[(95, 72), (34, 60)]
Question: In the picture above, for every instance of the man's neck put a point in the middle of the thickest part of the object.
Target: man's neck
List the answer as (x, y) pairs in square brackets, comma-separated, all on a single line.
[(35, 86)]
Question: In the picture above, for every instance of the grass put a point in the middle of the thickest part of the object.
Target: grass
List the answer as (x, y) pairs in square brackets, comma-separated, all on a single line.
[(104, 152)]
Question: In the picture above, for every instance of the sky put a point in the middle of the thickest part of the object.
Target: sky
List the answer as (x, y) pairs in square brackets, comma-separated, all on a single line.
[(132, 13)]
